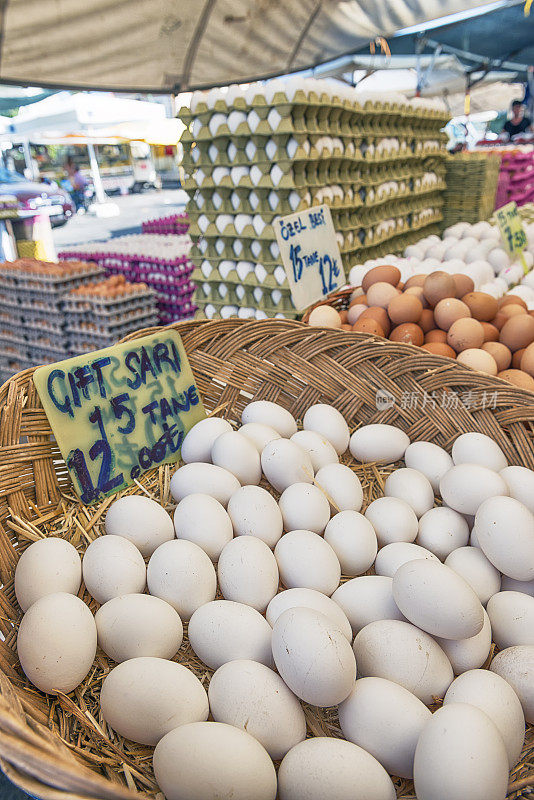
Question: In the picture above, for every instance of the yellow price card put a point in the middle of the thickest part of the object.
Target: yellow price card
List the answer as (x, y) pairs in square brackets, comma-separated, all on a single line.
[(119, 411), (512, 232)]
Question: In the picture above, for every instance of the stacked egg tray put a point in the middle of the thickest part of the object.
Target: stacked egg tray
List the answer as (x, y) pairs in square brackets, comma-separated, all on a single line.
[(471, 180), (95, 319), (32, 321), (160, 260), (275, 149), (174, 223)]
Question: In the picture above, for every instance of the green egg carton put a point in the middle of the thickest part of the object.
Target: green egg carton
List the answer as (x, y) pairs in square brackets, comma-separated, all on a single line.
[(241, 249)]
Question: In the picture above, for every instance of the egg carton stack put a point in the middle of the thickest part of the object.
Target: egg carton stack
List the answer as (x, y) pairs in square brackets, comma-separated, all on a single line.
[(160, 260), (281, 147), (471, 187), (174, 223), (99, 314), (32, 321)]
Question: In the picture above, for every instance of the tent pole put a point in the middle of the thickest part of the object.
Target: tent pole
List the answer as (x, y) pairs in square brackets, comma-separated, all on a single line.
[(95, 172), (28, 158)]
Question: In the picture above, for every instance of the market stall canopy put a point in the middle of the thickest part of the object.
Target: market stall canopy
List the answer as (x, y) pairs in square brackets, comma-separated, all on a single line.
[(172, 45)]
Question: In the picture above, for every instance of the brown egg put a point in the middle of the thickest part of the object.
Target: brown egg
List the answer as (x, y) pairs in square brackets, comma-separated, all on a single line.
[(417, 291), (415, 280), (407, 332), (518, 331), (359, 299), (512, 299), (370, 326), (498, 320), (527, 360), (463, 283), (343, 316), (427, 322), (500, 353), (355, 312), (516, 358), (325, 317), (437, 286), (464, 334), (482, 306), (478, 359), (400, 286), (381, 294), (531, 313), (512, 310), (382, 274), (346, 327), (436, 335), (519, 378), (491, 333), (356, 293), (405, 308), (439, 349), (448, 311), (380, 315)]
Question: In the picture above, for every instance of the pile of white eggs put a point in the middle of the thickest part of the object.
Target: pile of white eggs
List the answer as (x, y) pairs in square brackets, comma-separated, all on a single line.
[(473, 250), (427, 586)]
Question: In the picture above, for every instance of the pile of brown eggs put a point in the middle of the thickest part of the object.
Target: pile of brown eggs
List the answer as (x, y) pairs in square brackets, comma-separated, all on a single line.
[(444, 315)]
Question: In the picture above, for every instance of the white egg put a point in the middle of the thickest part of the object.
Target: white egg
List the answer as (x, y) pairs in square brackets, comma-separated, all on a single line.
[(270, 414), (505, 532), (250, 696), (474, 567), (201, 519), (394, 555), (393, 520), (437, 600), (512, 619), (342, 487), (400, 652), (306, 561), (386, 720), (313, 657), (308, 598), (466, 486), (367, 599), (516, 666), (353, 539), (326, 767), (284, 463), (495, 697), (254, 512), (320, 450), (476, 448), (238, 455), (509, 584), (47, 566), (141, 520), (138, 625), (442, 530), (182, 574), (198, 441), (460, 754), (381, 443), (113, 566), (328, 422), (498, 259), (204, 760), (204, 479), (431, 460), (223, 631), (259, 434), (56, 642), (520, 483), (412, 487), (248, 572), (304, 507), (471, 653)]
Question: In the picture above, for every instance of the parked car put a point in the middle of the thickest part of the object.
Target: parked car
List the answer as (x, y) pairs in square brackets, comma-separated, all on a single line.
[(33, 195)]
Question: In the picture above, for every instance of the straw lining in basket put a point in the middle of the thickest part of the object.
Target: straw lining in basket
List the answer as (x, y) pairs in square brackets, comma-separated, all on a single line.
[(233, 361)]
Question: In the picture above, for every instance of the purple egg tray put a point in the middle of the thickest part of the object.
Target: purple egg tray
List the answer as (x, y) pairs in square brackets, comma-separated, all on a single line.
[(175, 223)]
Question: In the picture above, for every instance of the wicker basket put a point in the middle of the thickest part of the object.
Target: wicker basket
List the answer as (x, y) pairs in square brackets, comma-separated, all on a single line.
[(59, 747)]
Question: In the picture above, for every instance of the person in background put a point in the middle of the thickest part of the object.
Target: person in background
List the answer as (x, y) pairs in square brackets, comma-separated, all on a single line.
[(78, 183), (518, 123)]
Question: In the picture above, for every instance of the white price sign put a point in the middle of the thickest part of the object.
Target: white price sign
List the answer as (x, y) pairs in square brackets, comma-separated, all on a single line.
[(310, 255)]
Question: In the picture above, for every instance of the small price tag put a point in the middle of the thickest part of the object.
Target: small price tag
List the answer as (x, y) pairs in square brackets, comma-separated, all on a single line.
[(310, 254), (119, 411), (512, 232)]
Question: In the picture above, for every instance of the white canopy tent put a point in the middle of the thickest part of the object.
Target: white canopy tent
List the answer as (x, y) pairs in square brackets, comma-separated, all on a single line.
[(176, 45)]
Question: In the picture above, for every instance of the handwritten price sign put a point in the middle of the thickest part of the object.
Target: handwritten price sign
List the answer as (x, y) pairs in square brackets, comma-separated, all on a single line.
[(310, 255), (512, 232), (118, 412)]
